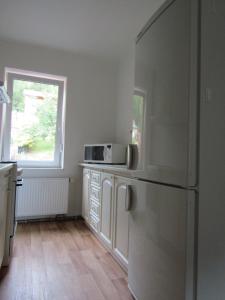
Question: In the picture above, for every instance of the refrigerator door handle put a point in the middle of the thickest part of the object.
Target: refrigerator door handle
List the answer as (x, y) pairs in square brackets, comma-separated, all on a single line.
[(128, 200)]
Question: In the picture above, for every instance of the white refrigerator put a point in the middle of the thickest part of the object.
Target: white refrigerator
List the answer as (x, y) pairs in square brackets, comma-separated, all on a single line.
[(164, 195)]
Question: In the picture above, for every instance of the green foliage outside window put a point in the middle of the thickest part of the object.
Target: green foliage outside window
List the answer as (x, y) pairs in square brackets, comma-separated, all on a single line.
[(39, 134)]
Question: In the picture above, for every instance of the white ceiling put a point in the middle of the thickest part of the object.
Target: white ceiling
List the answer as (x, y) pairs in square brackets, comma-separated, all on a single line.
[(98, 27)]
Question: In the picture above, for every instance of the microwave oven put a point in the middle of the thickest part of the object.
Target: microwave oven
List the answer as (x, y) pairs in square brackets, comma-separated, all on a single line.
[(105, 153)]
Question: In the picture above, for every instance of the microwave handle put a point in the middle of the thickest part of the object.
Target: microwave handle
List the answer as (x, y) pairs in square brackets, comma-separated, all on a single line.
[(105, 154)]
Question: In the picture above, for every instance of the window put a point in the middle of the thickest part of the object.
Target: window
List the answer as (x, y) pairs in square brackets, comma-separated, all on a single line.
[(138, 117), (34, 119), (138, 112)]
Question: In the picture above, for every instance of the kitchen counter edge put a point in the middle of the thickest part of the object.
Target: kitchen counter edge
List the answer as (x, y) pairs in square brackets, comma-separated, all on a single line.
[(120, 170)]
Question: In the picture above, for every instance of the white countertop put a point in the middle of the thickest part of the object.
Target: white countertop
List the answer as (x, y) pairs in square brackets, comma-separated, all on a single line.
[(115, 169)]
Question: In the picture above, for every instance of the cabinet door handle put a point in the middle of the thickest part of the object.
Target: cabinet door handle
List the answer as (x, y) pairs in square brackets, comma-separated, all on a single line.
[(128, 200)]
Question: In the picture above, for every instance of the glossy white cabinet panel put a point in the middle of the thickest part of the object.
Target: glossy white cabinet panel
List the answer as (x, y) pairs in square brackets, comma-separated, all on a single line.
[(121, 217), (107, 186), (161, 237), (164, 75)]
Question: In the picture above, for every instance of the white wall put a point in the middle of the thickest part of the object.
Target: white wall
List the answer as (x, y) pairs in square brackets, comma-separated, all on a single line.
[(124, 96), (90, 108)]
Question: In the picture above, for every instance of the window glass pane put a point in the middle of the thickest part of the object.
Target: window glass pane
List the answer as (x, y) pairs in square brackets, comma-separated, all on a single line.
[(34, 117), (138, 117)]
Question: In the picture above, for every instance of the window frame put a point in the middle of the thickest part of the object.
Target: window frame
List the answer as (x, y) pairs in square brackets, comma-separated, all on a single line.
[(16, 74)]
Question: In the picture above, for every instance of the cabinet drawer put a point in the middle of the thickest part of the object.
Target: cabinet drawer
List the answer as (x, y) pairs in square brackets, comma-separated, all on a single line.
[(94, 222), (95, 193), (94, 208), (96, 178)]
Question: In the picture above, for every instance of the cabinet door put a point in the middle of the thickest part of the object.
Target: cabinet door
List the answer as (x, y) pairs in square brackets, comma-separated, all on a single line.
[(3, 214), (106, 208), (170, 95), (162, 242), (85, 199), (121, 229)]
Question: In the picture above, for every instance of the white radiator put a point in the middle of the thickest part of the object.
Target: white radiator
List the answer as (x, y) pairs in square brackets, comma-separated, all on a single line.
[(42, 197)]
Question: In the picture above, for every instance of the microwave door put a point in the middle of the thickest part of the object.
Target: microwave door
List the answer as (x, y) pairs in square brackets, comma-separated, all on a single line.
[(87, 153), (94, 153), (98, 153)]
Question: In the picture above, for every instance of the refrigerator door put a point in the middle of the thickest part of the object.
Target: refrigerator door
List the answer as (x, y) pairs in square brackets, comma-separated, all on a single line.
[(161, 242), (165, 87)]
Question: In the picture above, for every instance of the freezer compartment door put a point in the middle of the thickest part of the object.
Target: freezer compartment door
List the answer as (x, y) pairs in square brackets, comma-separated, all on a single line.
[(161, 242), (165, 98)]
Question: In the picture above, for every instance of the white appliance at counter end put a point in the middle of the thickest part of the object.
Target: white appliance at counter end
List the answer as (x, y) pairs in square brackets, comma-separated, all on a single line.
[(105, 153)]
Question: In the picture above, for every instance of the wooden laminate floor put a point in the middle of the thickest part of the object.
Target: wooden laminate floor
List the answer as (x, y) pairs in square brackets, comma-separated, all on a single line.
[(61, 260)]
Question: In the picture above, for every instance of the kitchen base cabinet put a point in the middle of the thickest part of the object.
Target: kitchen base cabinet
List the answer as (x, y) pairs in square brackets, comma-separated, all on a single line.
[(105, 210), (106, 216), (85, 196), (121, 216)]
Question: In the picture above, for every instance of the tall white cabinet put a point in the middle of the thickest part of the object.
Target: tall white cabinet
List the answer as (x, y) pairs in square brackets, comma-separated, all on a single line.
[(105, 210)]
